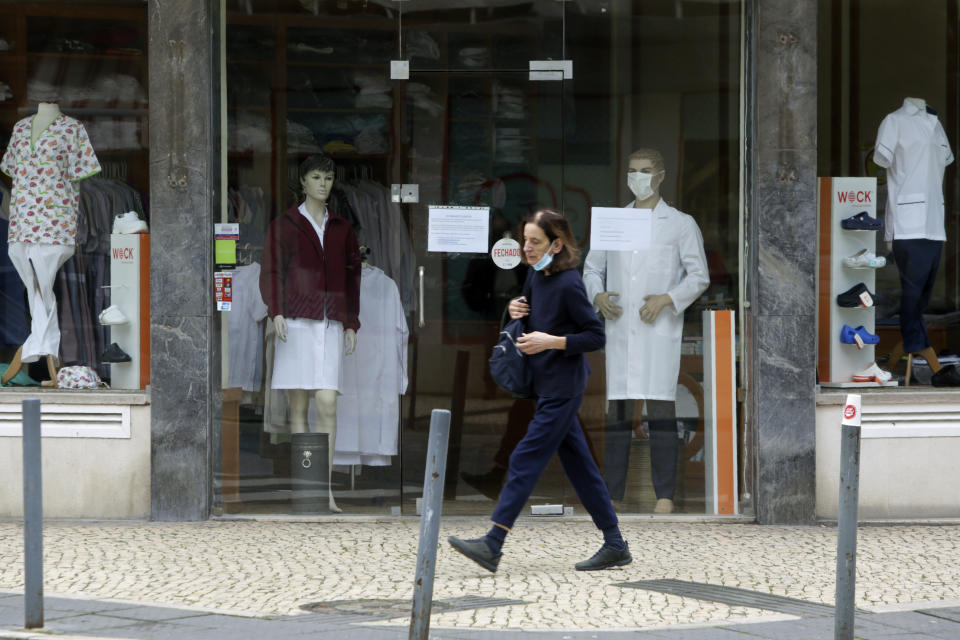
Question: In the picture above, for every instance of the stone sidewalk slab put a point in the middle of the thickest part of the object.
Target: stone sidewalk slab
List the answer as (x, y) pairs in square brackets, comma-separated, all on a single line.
[(250, 576)]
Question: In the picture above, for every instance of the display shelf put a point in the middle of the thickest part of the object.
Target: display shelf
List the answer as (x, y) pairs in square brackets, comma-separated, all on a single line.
[(859, 385), (336, 65), (134, 57), (838, 361), (377, 110), (76, 111)]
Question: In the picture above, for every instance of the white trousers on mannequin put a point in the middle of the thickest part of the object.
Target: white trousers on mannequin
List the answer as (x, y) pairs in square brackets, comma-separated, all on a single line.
[(37, 265)]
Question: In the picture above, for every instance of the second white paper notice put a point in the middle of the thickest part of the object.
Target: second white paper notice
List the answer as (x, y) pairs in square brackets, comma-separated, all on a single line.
[(616, 229), (459, 229)]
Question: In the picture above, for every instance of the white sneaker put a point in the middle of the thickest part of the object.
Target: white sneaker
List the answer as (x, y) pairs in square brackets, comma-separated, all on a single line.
[(129, 222), (113, 315), (864, 259), (873, 373)]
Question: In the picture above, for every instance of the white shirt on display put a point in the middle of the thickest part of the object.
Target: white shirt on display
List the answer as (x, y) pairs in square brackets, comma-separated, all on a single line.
[(244, 330), (913, 147), (374, 377), (643, 360), (319, 228)]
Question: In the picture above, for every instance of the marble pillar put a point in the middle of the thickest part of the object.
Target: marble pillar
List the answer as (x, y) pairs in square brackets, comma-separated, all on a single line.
[(182, 204), (785, 242)]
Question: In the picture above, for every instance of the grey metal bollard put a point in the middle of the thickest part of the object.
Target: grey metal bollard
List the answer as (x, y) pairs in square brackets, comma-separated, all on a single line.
[(847, 519), (433, 480), (32, 515)]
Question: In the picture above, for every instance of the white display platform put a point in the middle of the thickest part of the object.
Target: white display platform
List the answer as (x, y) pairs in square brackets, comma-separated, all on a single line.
[(130, 292), (858, 385), (841, 198)]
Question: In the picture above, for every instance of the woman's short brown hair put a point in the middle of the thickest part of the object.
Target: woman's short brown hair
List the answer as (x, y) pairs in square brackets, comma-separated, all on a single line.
[(555, 226)]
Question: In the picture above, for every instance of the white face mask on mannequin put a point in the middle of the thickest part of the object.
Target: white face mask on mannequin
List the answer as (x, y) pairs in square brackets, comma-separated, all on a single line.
[(640, 184)]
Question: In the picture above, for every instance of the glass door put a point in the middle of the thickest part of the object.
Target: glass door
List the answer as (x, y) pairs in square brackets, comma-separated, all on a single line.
[(484, 142)]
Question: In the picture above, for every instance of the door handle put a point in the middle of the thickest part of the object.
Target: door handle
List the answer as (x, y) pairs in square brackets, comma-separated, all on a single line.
[(420, 306)]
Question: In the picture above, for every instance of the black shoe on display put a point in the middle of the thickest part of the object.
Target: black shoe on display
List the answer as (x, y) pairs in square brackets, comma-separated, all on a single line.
[(489, 483), (851, 297), (606, 558), (947, 376), (478, 551), (114, 354)]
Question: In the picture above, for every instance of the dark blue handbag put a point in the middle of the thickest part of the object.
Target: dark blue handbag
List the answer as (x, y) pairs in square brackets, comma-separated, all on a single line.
[(508, 365)]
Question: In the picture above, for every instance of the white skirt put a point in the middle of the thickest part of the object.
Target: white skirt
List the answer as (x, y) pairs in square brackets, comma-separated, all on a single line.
[(312, 356)]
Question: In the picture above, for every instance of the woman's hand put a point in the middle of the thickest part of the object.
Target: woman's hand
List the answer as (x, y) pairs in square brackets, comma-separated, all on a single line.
[(537, 341), (518, 308)]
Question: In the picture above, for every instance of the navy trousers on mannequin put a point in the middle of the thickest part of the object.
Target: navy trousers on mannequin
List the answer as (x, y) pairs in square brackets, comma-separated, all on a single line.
[(554, 429), (917, 261), (661, 419)]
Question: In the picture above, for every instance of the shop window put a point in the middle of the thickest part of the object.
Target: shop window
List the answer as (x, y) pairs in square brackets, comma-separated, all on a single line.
[(872, 90), (471, 130), (74, 200)]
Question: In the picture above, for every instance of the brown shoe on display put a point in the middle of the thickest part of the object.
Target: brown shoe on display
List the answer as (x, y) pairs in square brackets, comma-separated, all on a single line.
[(664, 505)]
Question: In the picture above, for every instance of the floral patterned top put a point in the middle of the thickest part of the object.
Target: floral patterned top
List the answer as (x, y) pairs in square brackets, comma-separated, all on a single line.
[(45, 197)]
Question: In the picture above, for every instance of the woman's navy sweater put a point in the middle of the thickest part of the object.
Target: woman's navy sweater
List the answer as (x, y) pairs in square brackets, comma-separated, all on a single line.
[(559, 306)]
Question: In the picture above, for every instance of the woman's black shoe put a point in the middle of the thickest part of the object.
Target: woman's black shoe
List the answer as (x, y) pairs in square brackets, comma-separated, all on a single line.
[(947, 376), (605, 558), (478, 551)]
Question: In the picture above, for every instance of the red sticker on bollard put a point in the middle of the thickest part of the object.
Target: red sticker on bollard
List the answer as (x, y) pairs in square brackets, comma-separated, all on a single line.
[(851, 411)]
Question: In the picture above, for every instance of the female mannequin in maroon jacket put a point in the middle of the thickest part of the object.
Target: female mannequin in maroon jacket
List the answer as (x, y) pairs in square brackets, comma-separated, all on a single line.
[(310, 281)]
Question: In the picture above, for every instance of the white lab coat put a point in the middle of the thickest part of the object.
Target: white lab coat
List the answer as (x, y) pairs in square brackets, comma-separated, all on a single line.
[(374, 376), (643, 360)]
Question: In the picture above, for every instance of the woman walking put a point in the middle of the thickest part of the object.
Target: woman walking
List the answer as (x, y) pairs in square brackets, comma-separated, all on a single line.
[(561, 326)]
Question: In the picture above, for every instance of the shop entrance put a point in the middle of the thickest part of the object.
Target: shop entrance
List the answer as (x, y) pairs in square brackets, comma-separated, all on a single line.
[(432, 171), (487, 154)]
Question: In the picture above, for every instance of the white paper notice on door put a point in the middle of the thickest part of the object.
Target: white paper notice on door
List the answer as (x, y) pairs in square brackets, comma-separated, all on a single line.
[(614, 229), (458, 229)]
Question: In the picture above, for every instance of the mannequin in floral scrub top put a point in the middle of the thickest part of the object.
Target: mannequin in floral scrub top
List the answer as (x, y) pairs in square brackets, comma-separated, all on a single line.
[(48, 154)]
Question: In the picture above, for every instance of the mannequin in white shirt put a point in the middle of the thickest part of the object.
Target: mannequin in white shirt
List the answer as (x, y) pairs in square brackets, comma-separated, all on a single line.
[(47, 112), (316, 188), (655, 303), (919, 103), (912, 146), (643, 312)]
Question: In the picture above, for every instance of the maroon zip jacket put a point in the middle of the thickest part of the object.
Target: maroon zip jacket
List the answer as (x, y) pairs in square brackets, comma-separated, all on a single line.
[(299, 279)]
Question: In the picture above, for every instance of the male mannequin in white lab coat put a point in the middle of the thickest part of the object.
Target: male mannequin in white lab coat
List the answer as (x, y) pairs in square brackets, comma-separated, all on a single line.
[(642, 296)]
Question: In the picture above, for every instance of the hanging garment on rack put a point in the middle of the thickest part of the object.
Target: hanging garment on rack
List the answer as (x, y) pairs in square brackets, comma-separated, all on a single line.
[(248, 207), (13, 310), (244, 330), (4, 203), (383, 230), (374, 376), (274, 400), (82, 285)]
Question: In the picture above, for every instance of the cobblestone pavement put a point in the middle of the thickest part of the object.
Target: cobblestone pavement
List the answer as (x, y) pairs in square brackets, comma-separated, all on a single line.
[(271, 568)]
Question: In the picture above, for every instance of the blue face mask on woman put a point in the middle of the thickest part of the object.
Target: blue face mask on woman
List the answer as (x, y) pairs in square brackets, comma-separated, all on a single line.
[(545, 261)]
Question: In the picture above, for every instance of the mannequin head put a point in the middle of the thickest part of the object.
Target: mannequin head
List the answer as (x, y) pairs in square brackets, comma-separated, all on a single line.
[(648, 162), (548, 231), (316, 177)]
